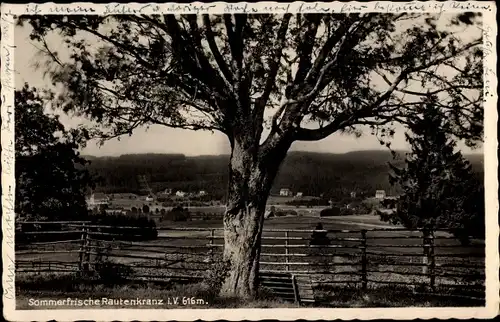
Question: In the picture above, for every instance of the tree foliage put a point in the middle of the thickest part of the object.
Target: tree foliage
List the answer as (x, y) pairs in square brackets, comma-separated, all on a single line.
[(302, 77), (51, 180), (439, 188)]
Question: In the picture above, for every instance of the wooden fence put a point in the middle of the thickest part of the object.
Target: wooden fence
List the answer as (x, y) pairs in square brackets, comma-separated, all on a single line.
[(349, 258)]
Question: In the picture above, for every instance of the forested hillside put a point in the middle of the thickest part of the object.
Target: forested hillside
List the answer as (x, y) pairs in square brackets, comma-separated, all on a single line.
[(309, 173)]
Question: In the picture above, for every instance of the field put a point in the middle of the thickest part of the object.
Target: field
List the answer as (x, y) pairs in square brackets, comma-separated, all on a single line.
[(185, 251)]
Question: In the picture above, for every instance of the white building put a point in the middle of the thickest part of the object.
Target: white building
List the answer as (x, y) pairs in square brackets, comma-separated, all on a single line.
[(180, 193), (116, 211), (149, 198), (380, 194), (97, 199), (353, 194), (285, 192), (167, 191), (202, 193), (124, 195), (299, 194)]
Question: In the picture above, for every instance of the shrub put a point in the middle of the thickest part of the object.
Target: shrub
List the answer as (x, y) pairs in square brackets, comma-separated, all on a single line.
[(328, 212), (346, 212), (112, 273), (365, 208), (106, 271), (177, 214), (146, 227), (307, 202), (281, 213), (216, 276)]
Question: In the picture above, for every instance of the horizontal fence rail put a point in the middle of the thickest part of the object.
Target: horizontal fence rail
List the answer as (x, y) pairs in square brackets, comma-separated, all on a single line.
[(423, 260)]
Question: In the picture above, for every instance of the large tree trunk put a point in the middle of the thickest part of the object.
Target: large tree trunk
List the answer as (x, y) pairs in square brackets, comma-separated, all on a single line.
[(250, 181)]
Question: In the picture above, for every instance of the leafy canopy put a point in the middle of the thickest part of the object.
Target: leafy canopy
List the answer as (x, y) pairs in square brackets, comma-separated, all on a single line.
[(50, 177), (299, 77)]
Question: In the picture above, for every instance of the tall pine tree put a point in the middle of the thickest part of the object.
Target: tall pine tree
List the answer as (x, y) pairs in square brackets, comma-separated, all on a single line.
[(439, 187)]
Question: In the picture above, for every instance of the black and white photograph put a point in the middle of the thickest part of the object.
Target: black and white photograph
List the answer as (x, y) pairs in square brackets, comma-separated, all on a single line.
[(214, 156)]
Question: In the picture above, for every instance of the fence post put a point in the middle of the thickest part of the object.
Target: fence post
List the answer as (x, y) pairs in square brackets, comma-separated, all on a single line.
[(426, 249), (364, 261), (86, 260), (295, 290), (212, 237), (82, 247), (286, 251), (432, 264)]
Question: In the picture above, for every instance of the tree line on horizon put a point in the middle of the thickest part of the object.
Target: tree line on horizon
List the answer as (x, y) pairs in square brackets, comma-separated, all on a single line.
[(313, 174)]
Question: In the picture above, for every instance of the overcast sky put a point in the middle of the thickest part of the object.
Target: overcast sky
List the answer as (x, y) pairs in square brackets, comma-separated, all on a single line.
[(160, 139)]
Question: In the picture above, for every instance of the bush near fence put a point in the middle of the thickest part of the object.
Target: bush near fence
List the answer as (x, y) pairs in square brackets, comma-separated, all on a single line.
[(178, 213), (309, 202), (144, 228), (329, 212), (284, 212)]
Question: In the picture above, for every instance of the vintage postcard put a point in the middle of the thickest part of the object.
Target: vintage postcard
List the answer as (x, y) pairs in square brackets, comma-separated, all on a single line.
[(248, 161)]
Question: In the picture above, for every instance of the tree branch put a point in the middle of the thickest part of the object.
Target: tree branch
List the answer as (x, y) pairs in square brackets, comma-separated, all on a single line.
[(305, 48), (319, 80), (203, 71), (331, 42), (302, 134), (215, 51), (275, 63)]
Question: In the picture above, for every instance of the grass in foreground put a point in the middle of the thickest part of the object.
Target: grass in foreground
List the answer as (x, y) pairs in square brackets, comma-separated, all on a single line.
[(392, 296), (35, 288)]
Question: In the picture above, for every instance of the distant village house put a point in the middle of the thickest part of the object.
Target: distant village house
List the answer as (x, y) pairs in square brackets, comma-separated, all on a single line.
[(180, 193), (299, 194), (380, 194), (124, 195), (285, 192), (97, 199), (116, 211), (202, 193)]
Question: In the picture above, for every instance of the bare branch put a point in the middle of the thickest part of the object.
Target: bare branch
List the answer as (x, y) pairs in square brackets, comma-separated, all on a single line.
[(215, 51), (436, 91), (302, 134), (304, 51), (325, 51), (274, 66)]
